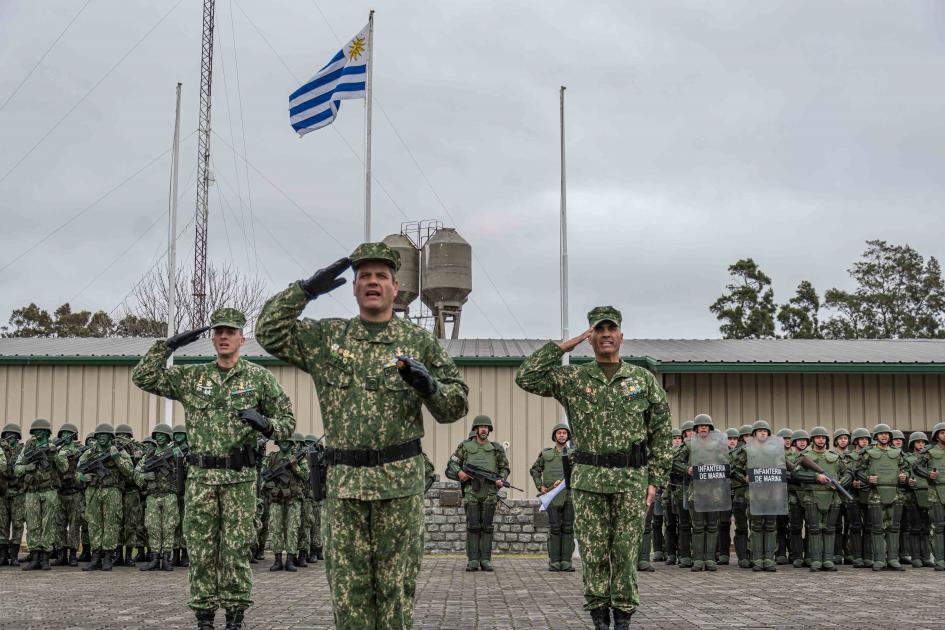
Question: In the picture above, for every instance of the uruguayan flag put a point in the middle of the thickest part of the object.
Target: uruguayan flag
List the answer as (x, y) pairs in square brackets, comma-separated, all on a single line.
[(315, 104)]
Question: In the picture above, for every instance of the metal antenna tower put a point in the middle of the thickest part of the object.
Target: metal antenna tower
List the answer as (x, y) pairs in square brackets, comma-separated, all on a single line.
[(199, 315)]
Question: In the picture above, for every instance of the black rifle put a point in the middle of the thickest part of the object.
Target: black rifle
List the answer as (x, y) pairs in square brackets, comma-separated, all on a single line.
[(810, 464), (163, 463), (278, 473), (37, 455), (96, 465), (483, 475)]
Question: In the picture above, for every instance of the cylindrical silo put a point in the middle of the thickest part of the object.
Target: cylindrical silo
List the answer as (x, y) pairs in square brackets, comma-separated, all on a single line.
[(409, 274), (446, 274)]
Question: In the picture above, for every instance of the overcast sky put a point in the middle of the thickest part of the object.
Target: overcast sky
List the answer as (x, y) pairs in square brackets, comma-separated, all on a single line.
[(697, 133)]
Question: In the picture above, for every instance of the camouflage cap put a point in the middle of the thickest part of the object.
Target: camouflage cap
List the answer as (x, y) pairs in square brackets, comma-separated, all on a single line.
[(379, 252), (603, 314), (227, 317)]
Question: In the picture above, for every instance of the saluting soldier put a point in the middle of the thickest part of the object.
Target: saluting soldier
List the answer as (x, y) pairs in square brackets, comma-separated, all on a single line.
[(548, 473), (373, 374), (227, 404), (621, 429)]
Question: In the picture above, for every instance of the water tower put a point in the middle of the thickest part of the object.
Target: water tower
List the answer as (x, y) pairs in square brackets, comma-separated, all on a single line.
[(409, 274), (445, 278)]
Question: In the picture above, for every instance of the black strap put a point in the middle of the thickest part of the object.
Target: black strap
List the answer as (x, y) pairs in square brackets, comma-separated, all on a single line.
[(238, 459), (636, 458), (362, 458)]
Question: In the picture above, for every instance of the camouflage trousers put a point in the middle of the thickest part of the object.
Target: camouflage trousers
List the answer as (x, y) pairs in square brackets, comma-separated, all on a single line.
[(132, 522), (219, 529), (306, 517), (161, 518), (12, 518), (284, 522), (316, 540), (72, 506), (6, 506), (42, 510), (372, 557), (179, 542), (262, 522), (103, 515), (609, 528)]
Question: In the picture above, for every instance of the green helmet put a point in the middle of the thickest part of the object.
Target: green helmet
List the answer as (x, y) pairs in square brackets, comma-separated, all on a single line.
[(180, 428), (124, 428), (105, 428), (703, 419), (311, 438), (677, 433), (482, 421), (68, 427), (760, 424), (12, 427), (746, 429), (298, 437), (917, 435), (938, 427), (897, 435), (731, 432), (819, 431), (860, 432), (686, 426), (162, 428), (558, 427), (785, 433), (800, 434), (881, 428), (40, 423), (839, 432), (149, 441)]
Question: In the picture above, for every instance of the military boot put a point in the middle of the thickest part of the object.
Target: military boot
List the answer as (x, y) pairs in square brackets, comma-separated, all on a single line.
[(184, 558), (277, 563), (4, 555), (261, 552), (757, 550), (252, 555), (95, 561), (176, 558), (290, 562), (33, 562), (485, 539), (892, 548), (698, 553), (643, 556), (621, 619), (554, 552), (312, 558), (44, 560), (108, 559), (567, 551), (472, 551), (55, 558), (205, 619), (234, 619), (926, 551), (86, 555), (300, 561), (154, 563), (73, 560), (601, 618), (127, 559), (142, 556), (711, 545), (318, 553), (166, 563), (15, 555)]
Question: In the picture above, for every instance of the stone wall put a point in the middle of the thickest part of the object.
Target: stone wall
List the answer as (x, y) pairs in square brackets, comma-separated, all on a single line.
[(519, 528)]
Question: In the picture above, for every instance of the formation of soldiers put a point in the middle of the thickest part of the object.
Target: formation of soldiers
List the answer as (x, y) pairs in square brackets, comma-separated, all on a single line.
[(817, 500)]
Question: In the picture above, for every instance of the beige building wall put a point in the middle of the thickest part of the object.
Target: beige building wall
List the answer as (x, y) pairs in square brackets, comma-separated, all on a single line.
[(87, 395)]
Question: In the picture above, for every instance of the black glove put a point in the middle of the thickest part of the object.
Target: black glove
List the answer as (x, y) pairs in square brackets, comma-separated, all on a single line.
[(186, 337), (257, 421), (326, 279), (416, 375)]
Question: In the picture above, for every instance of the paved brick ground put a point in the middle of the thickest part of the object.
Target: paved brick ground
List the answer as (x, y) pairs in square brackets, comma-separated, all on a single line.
[(520, 594)]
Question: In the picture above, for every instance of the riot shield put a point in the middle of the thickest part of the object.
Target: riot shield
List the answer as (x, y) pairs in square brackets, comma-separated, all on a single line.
[(711, 486), (767, 477)]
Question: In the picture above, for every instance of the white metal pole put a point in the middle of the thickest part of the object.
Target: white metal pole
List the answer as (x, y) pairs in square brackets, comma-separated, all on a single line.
[(172, 252), (368, 97), (564, 236)]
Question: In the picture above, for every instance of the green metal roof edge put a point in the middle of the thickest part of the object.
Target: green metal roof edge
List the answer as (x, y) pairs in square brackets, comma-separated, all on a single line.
[(648, 362)]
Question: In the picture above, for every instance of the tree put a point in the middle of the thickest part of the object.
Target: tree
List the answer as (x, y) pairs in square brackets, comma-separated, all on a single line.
[(226, 286), (898, 295), (799, 318), (748, 308), (32, 321)]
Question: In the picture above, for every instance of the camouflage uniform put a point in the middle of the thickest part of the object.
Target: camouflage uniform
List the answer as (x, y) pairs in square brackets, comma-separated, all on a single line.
[(479, 497), (679, 487), (220, 498), (919, 524), (933, 460), (41, 481), (373, 513), (884, 501), (624, 421), (159, 488), (285, 501), (4, 506), (547, 469), (71, 500), (132, 533), (103, 496), (12, 514), (180, 545)]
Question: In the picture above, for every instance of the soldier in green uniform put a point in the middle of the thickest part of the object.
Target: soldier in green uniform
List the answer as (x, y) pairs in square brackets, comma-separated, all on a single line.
[(679, 481), (930, 466), (227, 404), (725, 517), (103, 490), (784, 528), (863, 550), (132, 507), (621, 429), (41, 480), (841, 552), (373, 374), (898, 440), (479, 497), (822, 501), (548, 472), (4, 506), (286, 493), (705, 525), (672, 489), (315, 530), (798, 494), (179, 557), (305, 501), (918, 521), (9, 434), (764, 527), (740, 503), (16, 494), (71, 498), (882, 469), (159, 487)]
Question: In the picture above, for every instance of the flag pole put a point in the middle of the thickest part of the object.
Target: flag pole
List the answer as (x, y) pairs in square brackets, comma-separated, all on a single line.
[(368, 97), (565, 335), (172, 252)]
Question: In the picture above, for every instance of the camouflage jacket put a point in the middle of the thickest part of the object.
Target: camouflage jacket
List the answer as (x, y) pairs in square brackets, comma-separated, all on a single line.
[(70, 483), (212, 401), (165, 479), (364, 402), (117, 470), (46, 475), (14, 485), (3, 471), (296, 479), (605, 417)]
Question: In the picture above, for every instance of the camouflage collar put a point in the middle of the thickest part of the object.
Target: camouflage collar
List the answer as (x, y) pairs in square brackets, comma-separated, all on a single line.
[(625, 371), (356, 330), (216, 374)]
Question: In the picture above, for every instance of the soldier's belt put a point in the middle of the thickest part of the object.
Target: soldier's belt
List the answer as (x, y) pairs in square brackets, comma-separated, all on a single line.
[(238, 459), (366, 457), (636, 458)]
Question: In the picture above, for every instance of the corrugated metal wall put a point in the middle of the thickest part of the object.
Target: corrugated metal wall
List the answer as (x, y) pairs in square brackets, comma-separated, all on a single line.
[(87, 395)]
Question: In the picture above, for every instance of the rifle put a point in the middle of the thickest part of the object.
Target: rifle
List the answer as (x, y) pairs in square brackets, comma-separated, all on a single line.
[(37, 455), (278, 473), (482, 475), (810, 464), (96, 465), (163, 463)]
